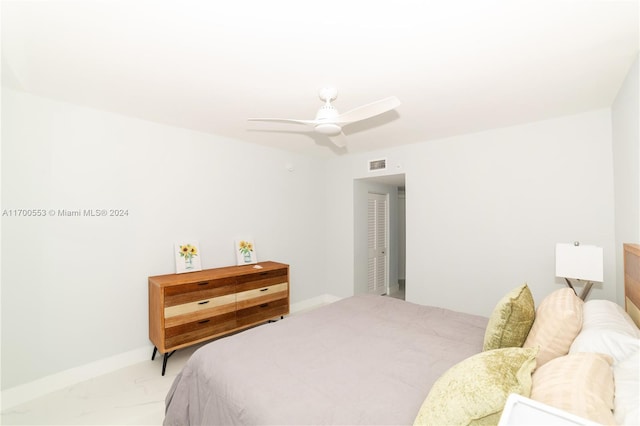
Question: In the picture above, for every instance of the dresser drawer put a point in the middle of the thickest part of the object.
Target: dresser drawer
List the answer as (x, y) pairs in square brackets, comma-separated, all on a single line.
[(262, 295), (194, 292), (188, 312), (262, 279), (203, 329), (262, 312)]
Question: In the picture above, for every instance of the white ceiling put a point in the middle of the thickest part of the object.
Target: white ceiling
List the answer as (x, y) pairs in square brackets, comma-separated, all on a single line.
[(456, 66)]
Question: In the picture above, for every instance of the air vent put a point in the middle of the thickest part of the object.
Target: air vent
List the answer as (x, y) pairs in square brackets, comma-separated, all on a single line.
[(378, 164)]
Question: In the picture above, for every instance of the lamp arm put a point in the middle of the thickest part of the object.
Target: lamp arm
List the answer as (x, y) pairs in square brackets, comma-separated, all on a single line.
[(569, 284), (585, 290)]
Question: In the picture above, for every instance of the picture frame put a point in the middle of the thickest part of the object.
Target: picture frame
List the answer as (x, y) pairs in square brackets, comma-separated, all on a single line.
[(187, 254), (245, 251)]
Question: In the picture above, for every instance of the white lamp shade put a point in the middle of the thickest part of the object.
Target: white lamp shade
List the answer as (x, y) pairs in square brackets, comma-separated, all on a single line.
[(579, 262)]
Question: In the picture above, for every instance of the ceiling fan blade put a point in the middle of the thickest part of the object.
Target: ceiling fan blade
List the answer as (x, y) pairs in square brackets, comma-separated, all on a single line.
[(339, 140), (286, 120), (367, 111)]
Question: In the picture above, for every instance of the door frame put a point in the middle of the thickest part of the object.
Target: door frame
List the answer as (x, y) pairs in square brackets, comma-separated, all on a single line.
[(381, 184), (385, 197)]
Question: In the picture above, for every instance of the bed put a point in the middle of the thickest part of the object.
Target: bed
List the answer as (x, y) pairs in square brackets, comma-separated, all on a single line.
[(378, 360), (361, 360)]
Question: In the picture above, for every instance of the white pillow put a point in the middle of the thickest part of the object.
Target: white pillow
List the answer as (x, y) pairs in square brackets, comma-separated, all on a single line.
[(599, 314), (607, 329), (613, 343), (627, 394)]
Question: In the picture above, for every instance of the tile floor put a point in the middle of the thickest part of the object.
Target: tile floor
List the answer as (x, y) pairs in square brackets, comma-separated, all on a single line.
[(130, 396)]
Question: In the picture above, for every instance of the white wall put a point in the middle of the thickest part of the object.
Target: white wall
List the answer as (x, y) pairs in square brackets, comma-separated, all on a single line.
[(74, 289), (487, 209), (484, 214), (625, 114)]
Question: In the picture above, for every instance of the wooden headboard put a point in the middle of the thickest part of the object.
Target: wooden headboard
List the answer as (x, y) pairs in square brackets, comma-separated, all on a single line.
[(632, 281)]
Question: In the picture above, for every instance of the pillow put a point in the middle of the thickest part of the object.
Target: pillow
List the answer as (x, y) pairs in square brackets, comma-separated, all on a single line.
[(558, 322), (475, 390), (607, 329), (605, 314), (511, 320), (626, 375), (617, 345), (580, 383)]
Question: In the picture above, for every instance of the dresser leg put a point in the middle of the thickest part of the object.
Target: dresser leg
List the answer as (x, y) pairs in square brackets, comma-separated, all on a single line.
[(272, 320), (153, 356), (164, 361)]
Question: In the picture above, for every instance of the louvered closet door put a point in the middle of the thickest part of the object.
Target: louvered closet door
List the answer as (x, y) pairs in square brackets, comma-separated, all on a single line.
[(377, 243)]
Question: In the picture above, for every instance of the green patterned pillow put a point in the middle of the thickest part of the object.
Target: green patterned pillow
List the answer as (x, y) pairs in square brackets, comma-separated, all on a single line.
[(511, 320), (474, 391)]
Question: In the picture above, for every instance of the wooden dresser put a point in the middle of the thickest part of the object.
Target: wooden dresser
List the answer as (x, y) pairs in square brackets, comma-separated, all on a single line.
[(185, 309)]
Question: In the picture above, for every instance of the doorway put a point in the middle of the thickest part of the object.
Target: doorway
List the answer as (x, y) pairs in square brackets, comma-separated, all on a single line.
[(377, 241), (391, 271)]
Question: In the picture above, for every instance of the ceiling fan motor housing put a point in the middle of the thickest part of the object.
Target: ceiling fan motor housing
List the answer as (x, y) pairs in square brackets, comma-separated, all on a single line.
[(328, 129), (327, 112)]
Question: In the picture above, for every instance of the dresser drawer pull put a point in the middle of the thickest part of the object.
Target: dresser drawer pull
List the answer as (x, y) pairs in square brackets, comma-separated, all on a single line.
[(204, 283), (203, 321), (263, 273), (203, 303), (264, 305), (264, 289)]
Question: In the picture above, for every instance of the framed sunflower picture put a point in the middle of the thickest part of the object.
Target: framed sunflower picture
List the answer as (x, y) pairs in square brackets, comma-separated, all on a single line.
[(187, 257), (246, 252)]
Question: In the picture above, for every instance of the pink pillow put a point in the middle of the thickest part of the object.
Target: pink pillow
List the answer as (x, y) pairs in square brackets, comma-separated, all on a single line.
[(580, 383), (557, 323)]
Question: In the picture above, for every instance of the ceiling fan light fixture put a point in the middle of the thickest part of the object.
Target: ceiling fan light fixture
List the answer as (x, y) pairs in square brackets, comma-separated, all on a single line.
[(329, 122), (328, 129)]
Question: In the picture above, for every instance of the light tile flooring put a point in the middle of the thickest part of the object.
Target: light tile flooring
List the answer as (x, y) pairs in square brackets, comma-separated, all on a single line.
[(130, 396)]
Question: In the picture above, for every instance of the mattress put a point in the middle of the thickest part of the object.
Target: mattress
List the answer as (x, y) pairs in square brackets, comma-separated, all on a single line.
[(362, 360)]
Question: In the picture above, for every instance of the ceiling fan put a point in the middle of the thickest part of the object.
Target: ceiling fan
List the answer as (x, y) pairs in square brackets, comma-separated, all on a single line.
[(329, 122)]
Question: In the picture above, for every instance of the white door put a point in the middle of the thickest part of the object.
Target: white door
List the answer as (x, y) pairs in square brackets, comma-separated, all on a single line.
[(377, 234)]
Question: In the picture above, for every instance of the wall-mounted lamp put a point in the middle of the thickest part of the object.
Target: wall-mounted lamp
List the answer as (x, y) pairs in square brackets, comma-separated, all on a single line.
[(583, 263)]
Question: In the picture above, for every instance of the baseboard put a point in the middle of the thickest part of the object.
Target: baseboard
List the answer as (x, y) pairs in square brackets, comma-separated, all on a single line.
[(37, 388), (32, 390), (314, 302)]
